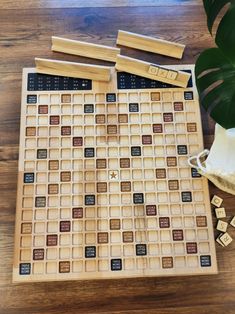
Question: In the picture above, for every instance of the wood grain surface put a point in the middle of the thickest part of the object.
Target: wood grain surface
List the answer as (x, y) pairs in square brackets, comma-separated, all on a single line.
[(25, 31)]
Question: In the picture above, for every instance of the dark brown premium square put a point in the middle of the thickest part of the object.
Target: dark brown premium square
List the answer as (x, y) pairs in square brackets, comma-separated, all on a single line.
[(65, 176), (38, 254), (64, 267), (167, 262), (103, 237), (52, 240)]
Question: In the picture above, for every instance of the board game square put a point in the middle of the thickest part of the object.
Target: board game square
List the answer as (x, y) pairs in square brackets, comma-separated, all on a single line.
[(77, 141), (201, 221), (24, 268), (89, 152), (64, 267), (40, 201), (101, 163), (178, 106), (135, 151), (164, 222), (38, 254), (116, 264), (30, 131), (155, 96), (53, 189), (127, 236), (141, 249), (138, 198), (178, 235), (168, 117), (43, 109), (66, 98), (124, 162), (110, 97), (66, 130), (26, 228), (112, 129), (173, 185), (188, 95), (186, 196), (133, 107), (123, 118), (126, 186), (89, 200), (31, 99), (146, 139), (191, 247), (191, 127), (100, 119), (52, 239), (103, 237), (205, 260), (157, 128), (182, 149), (115, 224), (65, 226), (101, 187), (29, 177), (54, 120), (41, 153), (65, 176), (90, 251), (171, 161), (167, 262), (78, 212), (161, 173), (89, 108), (53, 164), (151, 210), (195, 173)]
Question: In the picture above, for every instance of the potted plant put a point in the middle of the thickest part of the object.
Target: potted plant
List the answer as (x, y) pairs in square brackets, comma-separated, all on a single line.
[(215, 79)]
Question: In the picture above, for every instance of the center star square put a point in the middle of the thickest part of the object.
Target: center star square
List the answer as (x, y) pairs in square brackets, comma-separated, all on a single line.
[(113, 175)]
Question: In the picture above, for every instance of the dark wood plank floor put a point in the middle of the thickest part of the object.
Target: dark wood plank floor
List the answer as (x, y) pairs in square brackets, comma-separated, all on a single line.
[(25, 31)]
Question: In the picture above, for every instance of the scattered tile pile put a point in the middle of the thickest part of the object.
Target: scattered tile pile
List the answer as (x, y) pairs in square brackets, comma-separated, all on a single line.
[(224, 239)]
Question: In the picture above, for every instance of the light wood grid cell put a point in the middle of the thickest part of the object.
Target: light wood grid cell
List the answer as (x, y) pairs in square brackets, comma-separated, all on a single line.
[(104, 189)]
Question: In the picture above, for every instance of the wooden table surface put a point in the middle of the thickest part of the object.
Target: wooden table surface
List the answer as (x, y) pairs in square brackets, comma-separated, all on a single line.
[(26, 27)]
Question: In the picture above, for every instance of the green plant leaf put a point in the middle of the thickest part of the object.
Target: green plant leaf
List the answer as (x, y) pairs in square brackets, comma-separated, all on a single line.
[(215, 79), (225, 35), (212, 8)]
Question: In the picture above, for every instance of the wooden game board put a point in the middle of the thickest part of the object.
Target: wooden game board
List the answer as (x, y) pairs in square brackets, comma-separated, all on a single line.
[(104, 188)]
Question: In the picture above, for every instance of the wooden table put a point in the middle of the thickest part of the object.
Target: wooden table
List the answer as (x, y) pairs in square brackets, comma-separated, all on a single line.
[(26, 27)]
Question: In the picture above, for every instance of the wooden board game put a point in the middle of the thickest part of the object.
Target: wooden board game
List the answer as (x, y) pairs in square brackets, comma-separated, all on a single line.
[(104, 188)]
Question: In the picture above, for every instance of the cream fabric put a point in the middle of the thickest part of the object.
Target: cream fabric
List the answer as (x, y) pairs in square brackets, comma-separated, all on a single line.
[(219, 166)]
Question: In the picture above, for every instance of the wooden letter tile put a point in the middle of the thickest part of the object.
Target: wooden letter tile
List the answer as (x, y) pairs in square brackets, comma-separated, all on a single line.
[(220, 212), (216, 200), (222, 226)]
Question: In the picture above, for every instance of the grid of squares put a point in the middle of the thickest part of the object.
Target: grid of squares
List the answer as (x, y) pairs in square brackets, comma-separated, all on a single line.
[(106, 185)]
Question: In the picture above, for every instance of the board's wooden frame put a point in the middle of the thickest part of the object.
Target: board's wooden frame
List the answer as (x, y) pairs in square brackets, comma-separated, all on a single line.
[(105, 88)]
